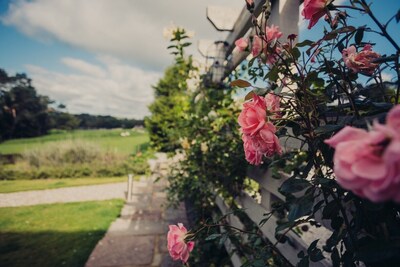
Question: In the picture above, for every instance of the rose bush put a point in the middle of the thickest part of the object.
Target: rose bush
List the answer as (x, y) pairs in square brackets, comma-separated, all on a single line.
[(309, 123)]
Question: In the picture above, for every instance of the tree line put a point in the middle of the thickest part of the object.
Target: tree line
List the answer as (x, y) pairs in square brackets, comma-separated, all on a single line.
[(25, 113)]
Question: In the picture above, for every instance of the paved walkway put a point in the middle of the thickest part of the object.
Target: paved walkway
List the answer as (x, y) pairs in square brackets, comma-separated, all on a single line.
[(62, 195), (138, 237)]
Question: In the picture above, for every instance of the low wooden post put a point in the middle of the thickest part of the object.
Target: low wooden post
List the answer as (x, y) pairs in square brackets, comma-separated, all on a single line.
[(130, 183)]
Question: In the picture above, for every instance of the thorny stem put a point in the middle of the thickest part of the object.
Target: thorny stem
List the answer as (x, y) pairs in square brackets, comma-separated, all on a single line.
[(193, 236), (381, 27), (398, 76), (345, 218), (350, 7)]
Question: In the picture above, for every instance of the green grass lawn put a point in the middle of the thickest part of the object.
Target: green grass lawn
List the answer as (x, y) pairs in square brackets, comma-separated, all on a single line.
[(107, 139), (26, 185), (54, 235)]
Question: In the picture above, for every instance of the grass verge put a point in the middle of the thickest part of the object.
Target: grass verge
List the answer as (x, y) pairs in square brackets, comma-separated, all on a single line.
[(54, 235), (10, 186)]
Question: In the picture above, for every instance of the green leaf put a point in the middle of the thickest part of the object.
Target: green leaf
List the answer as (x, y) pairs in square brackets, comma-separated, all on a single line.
[(312, 246), (293, 185), (335, 258), (240, 83), (213, 237), (304, 262), (251, 62), (283, 226), (327, 129), (331, 209), (359, 35), (300, 254), (296, 53), (186, 44), (301, 207), (305, 43), (273, 74), (316, 255)]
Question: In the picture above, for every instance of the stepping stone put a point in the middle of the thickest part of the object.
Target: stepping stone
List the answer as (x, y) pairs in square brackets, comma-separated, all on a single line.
[(122, 251)]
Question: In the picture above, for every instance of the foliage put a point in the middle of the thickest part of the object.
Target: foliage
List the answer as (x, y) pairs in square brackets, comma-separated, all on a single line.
[(23, 113), (77, 156), (323, 86), (54, 235), (87, 121), (170, 104)]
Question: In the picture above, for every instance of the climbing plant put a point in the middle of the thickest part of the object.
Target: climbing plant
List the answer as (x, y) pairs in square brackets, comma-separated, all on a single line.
[(330, 96)]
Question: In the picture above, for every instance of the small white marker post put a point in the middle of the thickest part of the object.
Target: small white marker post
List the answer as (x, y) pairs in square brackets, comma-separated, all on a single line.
[(130, 182)]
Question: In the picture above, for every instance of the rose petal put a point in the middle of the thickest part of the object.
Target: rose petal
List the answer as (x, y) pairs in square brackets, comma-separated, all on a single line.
[(346, 134), (369, 168)]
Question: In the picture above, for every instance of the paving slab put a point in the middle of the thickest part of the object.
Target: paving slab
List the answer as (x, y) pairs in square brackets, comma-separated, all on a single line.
[(138, 238), (137, 227), (123, 251)]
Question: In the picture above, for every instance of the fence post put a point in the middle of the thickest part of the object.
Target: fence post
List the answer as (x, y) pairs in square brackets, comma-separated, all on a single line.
[(130, 183)]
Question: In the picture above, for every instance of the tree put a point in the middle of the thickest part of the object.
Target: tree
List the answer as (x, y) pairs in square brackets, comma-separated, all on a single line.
[(23, 112), (171, 101)]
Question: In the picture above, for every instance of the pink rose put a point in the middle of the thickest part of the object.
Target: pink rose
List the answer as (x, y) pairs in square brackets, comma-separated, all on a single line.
[(252, 117), (273, 57), (272, 33), (250, 2), (264, 143), (272, 102), (368, 163), (313, 10), (242, 44), (177, 247), (361, 61), (252, 155), (257, 46)]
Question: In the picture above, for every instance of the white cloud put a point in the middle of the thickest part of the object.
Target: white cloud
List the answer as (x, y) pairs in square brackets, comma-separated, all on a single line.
[(387, 77), (83, 66), (110, 88), (126, 29)]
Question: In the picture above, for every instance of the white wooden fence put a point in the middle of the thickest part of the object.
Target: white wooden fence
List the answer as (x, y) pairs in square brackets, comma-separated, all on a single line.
[(285, 14)]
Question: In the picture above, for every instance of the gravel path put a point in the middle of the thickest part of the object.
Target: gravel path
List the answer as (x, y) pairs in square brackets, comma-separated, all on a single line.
[(61, 195)]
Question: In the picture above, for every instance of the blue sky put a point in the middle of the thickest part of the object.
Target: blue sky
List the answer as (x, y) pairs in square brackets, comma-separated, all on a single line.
[(98, 56), (101, 56)]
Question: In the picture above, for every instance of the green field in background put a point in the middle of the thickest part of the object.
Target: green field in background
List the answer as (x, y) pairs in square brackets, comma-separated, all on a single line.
[(106, 139)]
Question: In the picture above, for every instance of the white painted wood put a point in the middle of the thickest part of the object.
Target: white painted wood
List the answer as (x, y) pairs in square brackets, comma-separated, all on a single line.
[(230, 248), (232, 219), (264, 179), (290, 248)]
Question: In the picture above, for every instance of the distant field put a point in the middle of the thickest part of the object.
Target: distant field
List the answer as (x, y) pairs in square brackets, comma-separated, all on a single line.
[(107, 139)]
